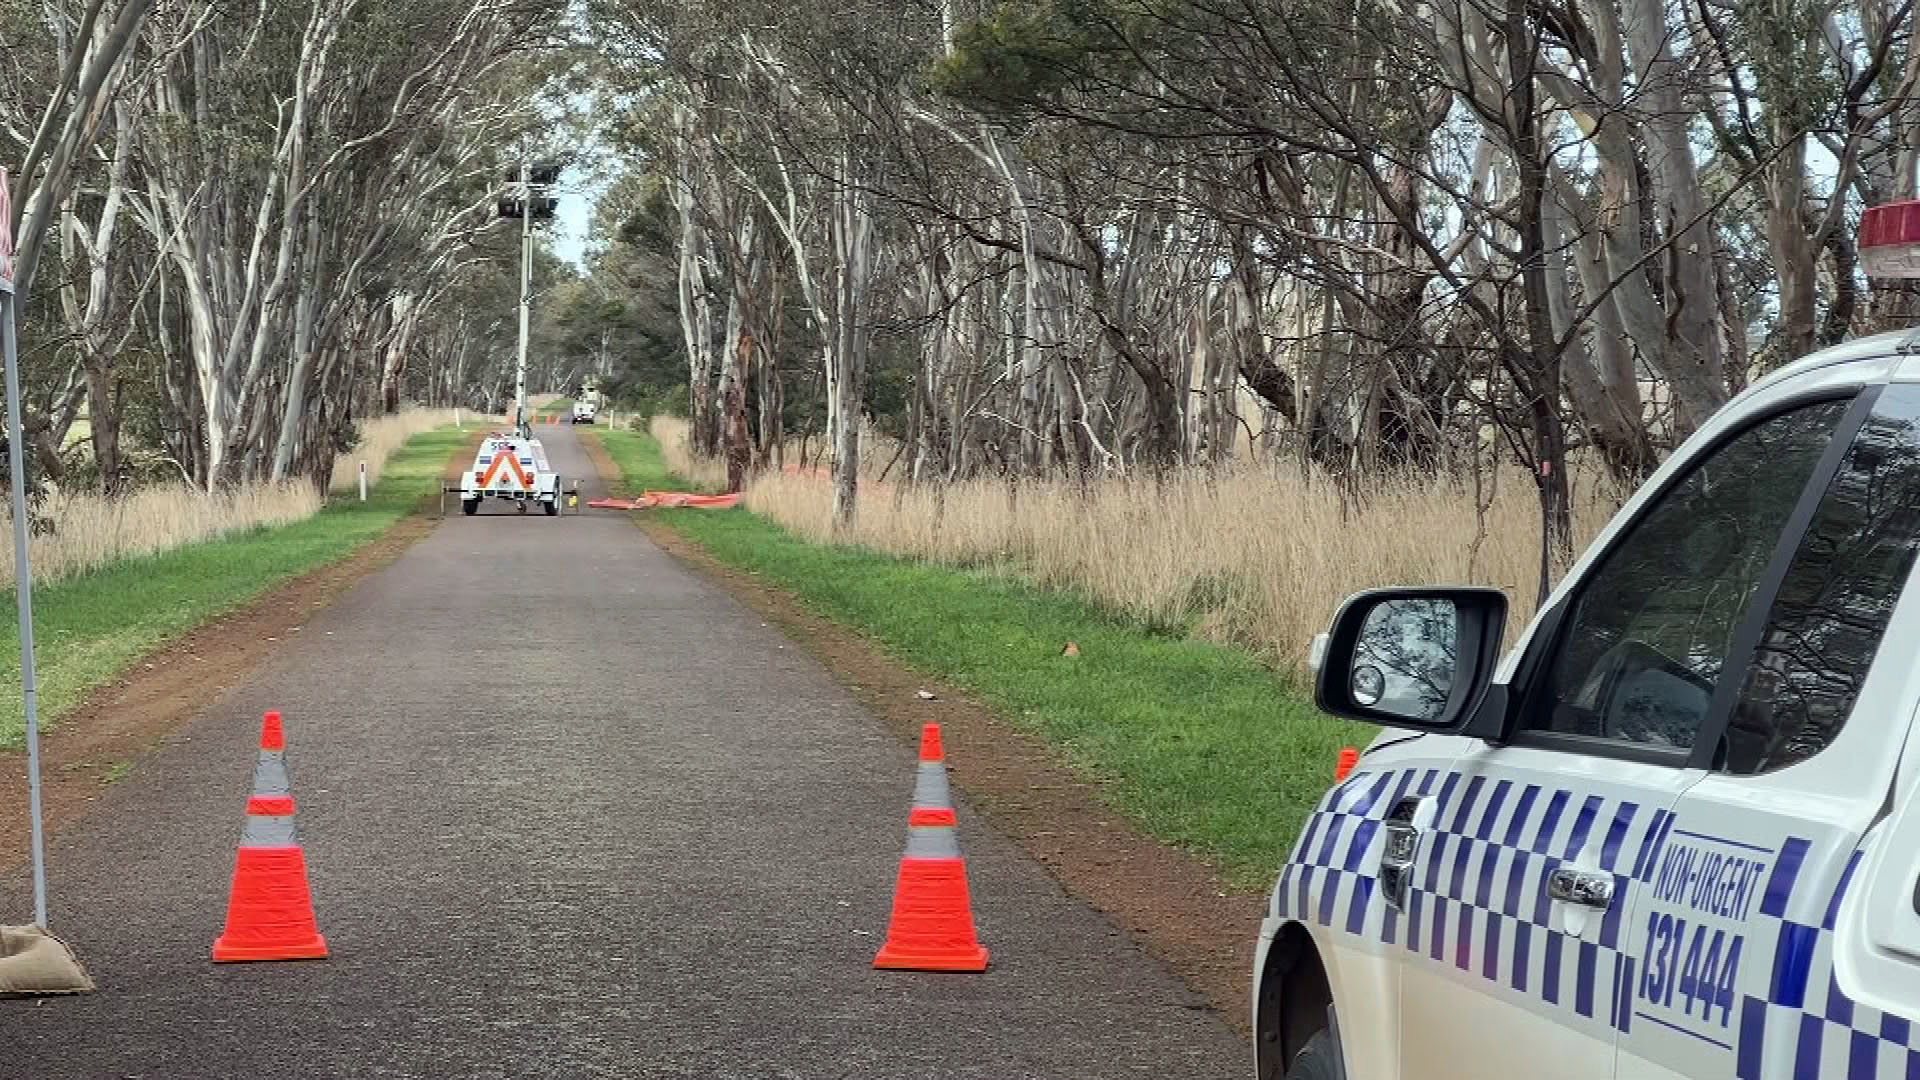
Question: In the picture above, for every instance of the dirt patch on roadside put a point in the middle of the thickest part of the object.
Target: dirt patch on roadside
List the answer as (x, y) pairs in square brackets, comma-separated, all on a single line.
[(102, 738), (1174, 903), (596, 452)]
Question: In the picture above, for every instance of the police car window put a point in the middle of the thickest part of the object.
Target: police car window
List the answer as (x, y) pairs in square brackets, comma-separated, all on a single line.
[(1836, 597), (1650, 631)]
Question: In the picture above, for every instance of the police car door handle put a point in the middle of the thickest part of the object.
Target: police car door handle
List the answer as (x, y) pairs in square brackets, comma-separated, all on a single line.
[(1588, 888), (1401, 849)]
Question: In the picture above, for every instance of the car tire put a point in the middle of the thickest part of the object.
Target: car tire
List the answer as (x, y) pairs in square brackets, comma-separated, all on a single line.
[(469, 507), (1318, 1060)]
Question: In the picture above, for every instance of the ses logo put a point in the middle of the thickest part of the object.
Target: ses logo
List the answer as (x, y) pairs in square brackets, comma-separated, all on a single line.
[(1691, 966)]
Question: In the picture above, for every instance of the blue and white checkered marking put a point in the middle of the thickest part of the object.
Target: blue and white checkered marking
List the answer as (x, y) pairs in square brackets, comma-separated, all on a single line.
[(1804, 1027), (1479, 904), (1479, 901)]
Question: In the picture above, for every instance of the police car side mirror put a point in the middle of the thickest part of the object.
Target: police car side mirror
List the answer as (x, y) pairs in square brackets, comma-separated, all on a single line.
[(1411, 658)]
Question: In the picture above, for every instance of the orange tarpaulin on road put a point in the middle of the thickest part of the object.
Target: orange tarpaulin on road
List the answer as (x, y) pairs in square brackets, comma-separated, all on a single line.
[(649, 500), (682, 498)]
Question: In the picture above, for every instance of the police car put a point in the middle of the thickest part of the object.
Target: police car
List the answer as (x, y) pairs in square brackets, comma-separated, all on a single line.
[(1675, 830)]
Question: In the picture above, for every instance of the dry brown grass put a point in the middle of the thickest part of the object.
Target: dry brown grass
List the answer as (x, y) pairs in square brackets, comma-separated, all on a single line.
[(704, 474), (1258, 556), (90, 531), (877, 453), (382, 435)]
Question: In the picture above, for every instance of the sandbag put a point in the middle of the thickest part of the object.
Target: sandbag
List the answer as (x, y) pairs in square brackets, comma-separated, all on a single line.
[(34, 962)]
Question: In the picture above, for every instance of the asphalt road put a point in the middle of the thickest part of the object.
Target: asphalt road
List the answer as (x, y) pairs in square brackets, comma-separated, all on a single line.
[(568, 812)]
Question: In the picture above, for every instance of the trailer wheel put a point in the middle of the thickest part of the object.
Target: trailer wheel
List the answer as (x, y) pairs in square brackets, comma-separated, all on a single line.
[(553, 507), (469, 507)]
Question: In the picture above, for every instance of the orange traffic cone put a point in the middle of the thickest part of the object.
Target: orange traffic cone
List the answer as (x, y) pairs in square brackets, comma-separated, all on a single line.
[(269, 911), (932, 924), (1349, 757)]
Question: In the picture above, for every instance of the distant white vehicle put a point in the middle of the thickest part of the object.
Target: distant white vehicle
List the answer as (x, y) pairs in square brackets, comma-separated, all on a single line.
[(510, 467), (584, 412)]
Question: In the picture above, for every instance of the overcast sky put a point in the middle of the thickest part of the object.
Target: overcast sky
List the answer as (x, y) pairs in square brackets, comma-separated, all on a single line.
[(572, 221)]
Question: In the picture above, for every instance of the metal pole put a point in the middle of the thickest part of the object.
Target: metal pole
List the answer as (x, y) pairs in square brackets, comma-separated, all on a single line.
[(363, 481), (23, 598), (526, 300)]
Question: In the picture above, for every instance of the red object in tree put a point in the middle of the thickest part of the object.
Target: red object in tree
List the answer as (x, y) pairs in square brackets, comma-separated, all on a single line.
[(1890, 240)]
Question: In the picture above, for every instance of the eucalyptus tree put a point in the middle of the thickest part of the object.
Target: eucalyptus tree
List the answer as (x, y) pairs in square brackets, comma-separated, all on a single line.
[(1112, 234)]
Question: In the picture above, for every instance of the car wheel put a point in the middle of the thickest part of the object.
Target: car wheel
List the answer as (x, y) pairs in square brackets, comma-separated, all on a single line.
[(470, 507), (1318, 1060)]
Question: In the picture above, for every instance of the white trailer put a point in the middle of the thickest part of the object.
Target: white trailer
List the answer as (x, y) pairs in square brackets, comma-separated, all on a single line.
[(511, 467)]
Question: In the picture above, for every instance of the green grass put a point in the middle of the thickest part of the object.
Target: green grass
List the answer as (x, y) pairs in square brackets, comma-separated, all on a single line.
[(642, 466), (1198, 743), (89, 628)]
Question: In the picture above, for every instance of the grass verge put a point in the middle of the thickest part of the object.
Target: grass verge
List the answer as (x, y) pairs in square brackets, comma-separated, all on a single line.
[(1198, 743), (87, 629)]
